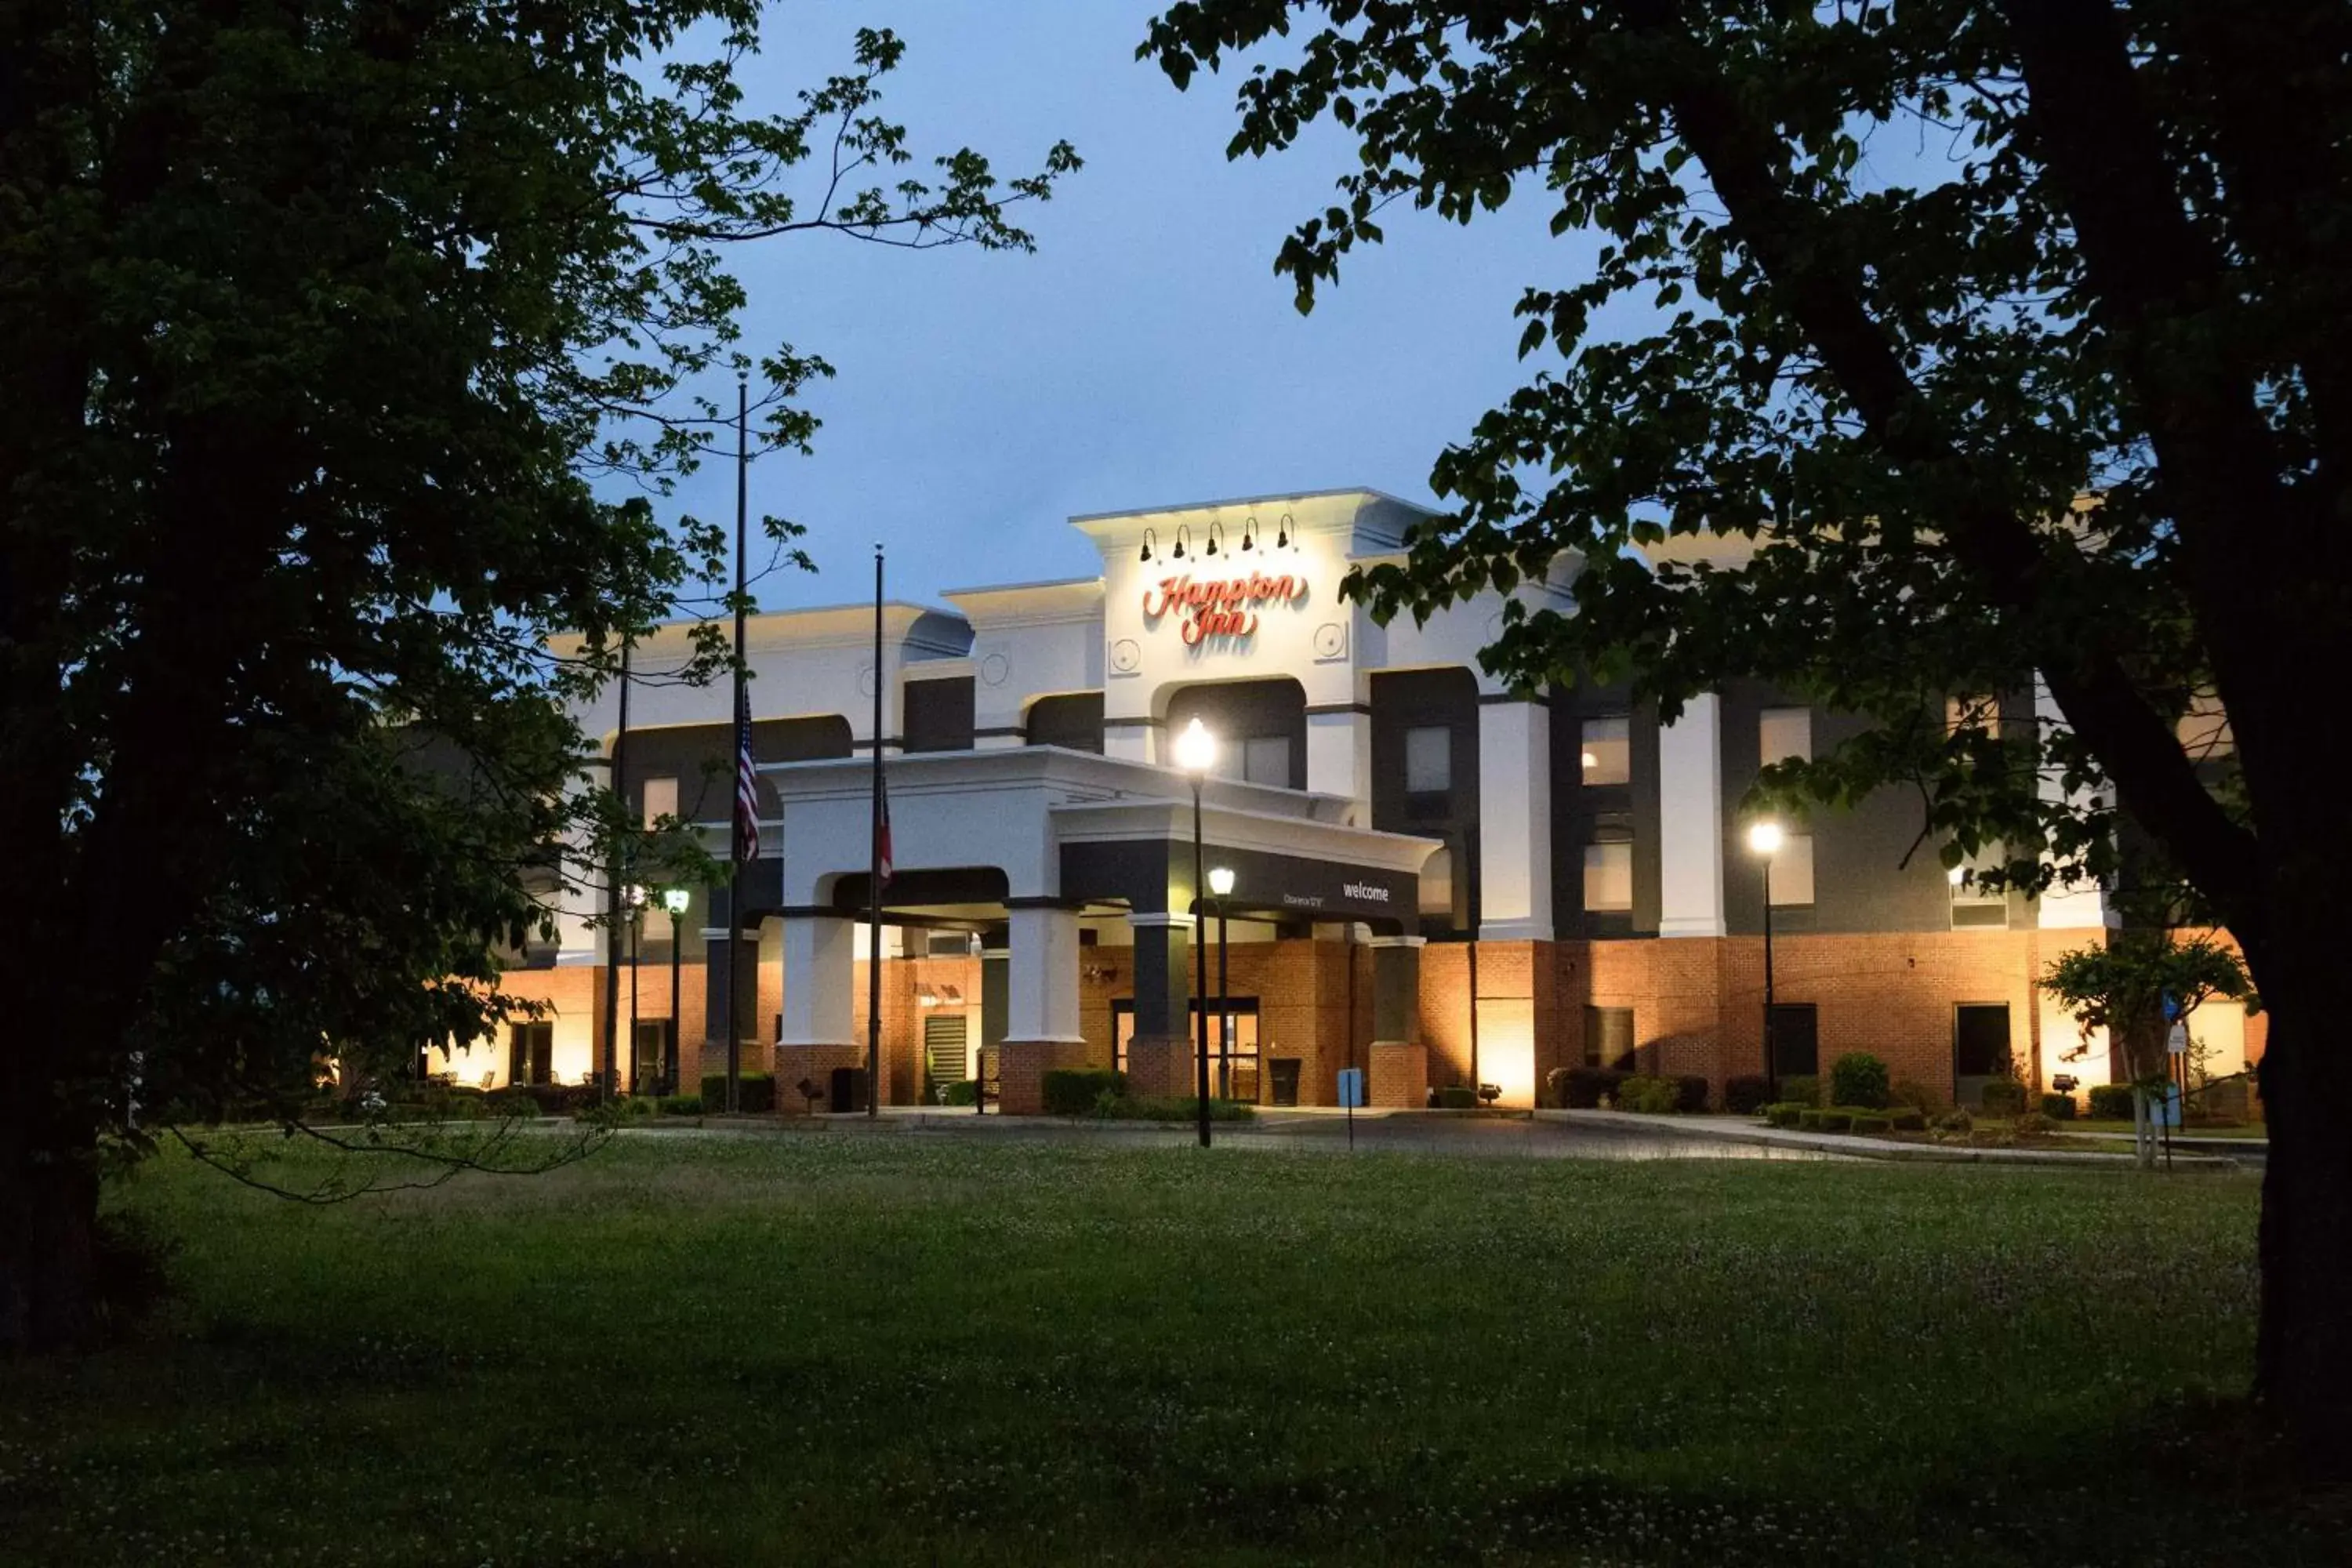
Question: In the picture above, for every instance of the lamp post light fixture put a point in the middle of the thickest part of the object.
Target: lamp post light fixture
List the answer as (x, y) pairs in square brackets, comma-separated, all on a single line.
[(676, 901), (1764, 838), (1196, 753), (1221, 883)]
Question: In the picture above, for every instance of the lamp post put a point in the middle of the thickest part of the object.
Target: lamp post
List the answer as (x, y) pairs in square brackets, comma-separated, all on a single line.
[(1196, 753), (676, 901), (1764, 838), (637, 931), (1221, 883)]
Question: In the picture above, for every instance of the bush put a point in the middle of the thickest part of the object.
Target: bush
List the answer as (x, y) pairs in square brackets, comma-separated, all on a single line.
[(679, 1105), (1653, 1096), (1925, 1097), (963, 1091), (2030, 1124), (2058, 1107), (1907, 1118), (1691, 1093), (2003, 1096), (1746, 1094), (2112, 1101), (1809, 1117), (1837, 1118), (1455, 1097), (1858, 1078), (635, 1105), (1581, 1088), (1783, 1113), (1072, 1091), (1802, 1090), (755, 1092), (1870, 1122), (1956, 1122)]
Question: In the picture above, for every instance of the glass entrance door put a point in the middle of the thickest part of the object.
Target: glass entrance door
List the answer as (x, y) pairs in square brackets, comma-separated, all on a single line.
[(1234, 1063)]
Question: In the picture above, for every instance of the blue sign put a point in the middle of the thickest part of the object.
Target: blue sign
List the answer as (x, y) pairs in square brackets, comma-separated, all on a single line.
[(2171, 1007), (1352, 1087)]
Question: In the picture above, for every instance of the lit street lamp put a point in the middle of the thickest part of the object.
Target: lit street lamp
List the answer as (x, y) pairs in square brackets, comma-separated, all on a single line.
[(1196, 753), (676, 901), (1221, 883), (637, 897), (1764, 838)]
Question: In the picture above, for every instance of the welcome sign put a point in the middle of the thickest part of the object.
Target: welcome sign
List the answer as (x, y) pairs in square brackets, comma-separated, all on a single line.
[(1220, 607)]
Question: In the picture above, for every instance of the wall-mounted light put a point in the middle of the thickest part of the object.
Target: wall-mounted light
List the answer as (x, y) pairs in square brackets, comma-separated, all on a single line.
[(1151, 537), (1183, 534), (1099, 973), (1281, 533), (1957, 875), (1249, 532), (1216, 532)]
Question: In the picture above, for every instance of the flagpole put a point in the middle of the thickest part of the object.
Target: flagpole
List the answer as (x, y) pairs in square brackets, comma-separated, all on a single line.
[(874, 878), (739, 851)]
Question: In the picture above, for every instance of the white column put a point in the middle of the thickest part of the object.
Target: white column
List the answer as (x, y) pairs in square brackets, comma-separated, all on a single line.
[(1513, 822), (820, 981), (1041, 995), (1340, 758), (1690, 821)]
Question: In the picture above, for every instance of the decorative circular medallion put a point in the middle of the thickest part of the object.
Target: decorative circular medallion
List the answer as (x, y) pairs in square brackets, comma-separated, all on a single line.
[(1126, 656), (866, 680), (1330, 640), (992, 669)]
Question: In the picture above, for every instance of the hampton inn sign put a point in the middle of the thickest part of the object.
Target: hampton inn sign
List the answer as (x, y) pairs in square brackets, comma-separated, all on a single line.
[(1220, 607)]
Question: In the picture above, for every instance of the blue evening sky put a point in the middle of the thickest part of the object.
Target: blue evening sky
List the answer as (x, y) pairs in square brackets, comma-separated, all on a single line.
[(1146, 355)]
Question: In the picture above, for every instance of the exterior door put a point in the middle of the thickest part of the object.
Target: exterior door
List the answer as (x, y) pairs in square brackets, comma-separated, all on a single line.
[(1979, 1049), (1795, 1039), (531, 1053), (946, 1057)]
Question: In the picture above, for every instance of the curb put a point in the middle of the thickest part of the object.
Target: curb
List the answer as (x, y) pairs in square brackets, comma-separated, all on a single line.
[(1872, 1148)]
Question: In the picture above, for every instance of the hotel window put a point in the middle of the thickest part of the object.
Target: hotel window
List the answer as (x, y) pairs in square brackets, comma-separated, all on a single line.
[(2204, 729), (1609, 1037), (1428, 772), (1609, 875), (1974, 905), (1970, 713), (1793, 871), (1786, 734), (1265, 759), (1608, 752), (660, 799)]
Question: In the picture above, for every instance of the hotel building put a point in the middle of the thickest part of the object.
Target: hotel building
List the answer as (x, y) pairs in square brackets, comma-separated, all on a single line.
[(1433, 878)]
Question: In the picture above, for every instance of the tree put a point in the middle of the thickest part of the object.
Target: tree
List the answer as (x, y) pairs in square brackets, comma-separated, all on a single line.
[(2134, 988), (1982, 344), (350, 349)]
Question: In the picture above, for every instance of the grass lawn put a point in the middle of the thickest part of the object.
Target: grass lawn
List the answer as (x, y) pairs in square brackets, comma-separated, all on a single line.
[(925, 1348)]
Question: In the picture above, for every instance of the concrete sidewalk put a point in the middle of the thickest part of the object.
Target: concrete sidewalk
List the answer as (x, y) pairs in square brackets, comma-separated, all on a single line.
[(1735, 1129)]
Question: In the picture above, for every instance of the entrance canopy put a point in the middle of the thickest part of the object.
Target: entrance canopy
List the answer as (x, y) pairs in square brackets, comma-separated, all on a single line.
[(1055, 828)]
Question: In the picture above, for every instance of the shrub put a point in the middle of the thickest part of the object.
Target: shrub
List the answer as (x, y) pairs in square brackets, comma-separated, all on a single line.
[(1956, 1122), (1925, 1097), (2030, 1124), (2003, 1096), (2058, 1107), (1651, 1096), (1072, 1091), (1783, 1113), (1802, 1090), (1746, 1094), (1581, 1088), (635, 1105), (1907, 1118), (963, 1091), (1455, 1097), (2112, 1101), (1837, 1118), (755, 1092), (1858, 1078), (1690, 1093), (679, 1105), (1870, 1122), (1809, 1117)]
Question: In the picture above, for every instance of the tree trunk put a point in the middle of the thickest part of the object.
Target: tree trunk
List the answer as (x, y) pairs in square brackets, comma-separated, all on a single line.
[(2303, 1352), (48, 1228)]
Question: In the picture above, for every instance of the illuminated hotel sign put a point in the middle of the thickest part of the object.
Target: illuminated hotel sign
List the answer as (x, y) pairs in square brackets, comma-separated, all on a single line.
[(1220, 606)]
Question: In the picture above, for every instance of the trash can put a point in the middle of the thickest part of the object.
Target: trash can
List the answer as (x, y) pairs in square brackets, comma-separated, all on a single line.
[(848, 1090), (1286, 1079)]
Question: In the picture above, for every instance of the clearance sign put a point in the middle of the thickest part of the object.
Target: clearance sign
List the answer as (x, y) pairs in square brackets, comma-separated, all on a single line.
[(1220, 607)]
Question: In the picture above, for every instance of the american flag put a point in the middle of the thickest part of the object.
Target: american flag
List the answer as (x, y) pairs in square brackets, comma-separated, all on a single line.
[(881, 829), (747, 783)]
